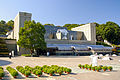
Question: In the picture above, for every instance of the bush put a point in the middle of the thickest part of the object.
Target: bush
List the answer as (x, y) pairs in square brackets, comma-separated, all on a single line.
[(12, 71), (68, 70), (34, 71), (50, 71), (93, 68), (1, 68), (82, 66), (86, 65), (27, 73), (64, 69), (97, 68), (26, 55), (79, 65), (60, 71), (110, 67), (104, 67), (2, 73), (38, 72), (89, 67)]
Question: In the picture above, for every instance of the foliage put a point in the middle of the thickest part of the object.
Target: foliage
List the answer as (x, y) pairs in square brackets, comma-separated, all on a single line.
[(79, 65), (60, 71), (27, 73), (26, 55), (110, 67), (70, 26), (5, 27), (68, 70), (92, 68), (104, 67), (102, 43), (109, 31), (12, 71), (2, 74), (32, 36), (38, 72), (97, 68), (86, 65), (50, 24)]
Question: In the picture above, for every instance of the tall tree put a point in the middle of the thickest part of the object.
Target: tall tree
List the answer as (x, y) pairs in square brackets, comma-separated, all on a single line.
[(50, 24), (32, 36), (109, 31)]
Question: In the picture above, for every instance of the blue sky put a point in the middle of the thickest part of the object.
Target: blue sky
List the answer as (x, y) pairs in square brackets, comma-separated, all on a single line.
[(60, 12)]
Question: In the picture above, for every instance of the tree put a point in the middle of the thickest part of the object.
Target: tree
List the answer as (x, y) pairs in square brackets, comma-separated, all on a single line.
[(5, 27), (10, 24), (32, 36), (50, 24), (109, 31), (70, 26)]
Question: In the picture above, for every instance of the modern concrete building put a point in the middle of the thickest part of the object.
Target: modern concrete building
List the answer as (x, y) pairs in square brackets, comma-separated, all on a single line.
[(19, 22), (59, 39)]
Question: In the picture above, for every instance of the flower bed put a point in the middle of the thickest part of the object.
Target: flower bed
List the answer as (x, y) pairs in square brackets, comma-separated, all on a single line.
[(12, 71), (24, 71), (96, 68), (1, 72), (54, 69)]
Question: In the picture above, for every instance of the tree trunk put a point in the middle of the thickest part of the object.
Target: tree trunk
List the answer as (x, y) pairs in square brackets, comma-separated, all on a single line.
[(31, 51)]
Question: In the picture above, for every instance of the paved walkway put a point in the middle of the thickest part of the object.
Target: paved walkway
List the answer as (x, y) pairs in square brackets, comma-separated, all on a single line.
[(67, 61)]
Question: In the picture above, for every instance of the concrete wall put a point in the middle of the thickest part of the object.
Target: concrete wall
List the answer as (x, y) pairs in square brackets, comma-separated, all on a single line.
[(89, 31), (19, 22)]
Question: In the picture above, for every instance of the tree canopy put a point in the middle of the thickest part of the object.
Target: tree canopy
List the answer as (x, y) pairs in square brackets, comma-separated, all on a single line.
[(32, 36), (50, 24), (109, 31), (5, 27)]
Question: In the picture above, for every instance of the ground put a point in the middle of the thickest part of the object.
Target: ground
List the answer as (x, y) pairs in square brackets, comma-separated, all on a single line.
[(68, 61)]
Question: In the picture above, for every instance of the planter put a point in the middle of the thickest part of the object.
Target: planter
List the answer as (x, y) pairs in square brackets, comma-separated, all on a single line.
[(109, 70), (80, 67), (68, 72), (104, 69), (86, 68), (26, 75), (59, 73), (93, 69), (97, 70), (89, 68), (38, 75), (0, 77), (14, 76), (51, 74)]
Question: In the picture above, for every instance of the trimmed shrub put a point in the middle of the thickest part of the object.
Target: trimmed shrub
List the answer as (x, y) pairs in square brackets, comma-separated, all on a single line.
[(27, 73), (38, 72), (1, 73), (12, 71), (60, 71), (26, 55), (109, 68), (104, 68), (79, 65), (97, 69), (68, 70), (93, 68)]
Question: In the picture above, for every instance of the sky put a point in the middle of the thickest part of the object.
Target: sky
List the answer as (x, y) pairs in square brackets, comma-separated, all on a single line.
[(60, 12)]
